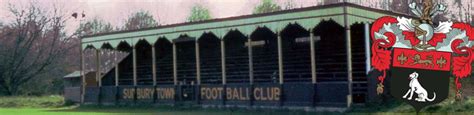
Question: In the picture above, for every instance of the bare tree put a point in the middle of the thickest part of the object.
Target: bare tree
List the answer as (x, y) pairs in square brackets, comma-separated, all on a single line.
[(290, 4), (31, 46), (94, 26), (400, 6), (140, 19), (326, 2)]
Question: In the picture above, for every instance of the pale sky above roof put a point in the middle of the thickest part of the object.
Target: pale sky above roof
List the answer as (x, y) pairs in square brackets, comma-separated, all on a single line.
[(171, 11), (164, 11)]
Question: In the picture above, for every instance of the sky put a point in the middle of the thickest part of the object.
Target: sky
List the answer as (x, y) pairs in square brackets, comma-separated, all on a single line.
[(169, 11), (164, 11)]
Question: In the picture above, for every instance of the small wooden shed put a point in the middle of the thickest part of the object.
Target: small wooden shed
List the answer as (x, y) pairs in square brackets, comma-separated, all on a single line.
[(72, 85)]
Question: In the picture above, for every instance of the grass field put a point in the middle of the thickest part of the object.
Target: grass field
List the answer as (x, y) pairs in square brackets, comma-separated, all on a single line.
[(54, 105), (160, 111), (32, 102), (96, 110)]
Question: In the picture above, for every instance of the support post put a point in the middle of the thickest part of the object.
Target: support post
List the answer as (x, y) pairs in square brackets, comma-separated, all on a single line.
[(116, 75), (223, 62), (153, 59), (134, 53), (249, 41), (313, 57), (349, 57), (83, 76), (198, 63), (280, 59), (367, 48), (175, 67), (349, 65), (116, 69), (97, 74), (313, 66)]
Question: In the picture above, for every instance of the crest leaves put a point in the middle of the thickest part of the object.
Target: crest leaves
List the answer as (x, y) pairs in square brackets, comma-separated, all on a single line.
[(411, 37), (437, 38), (380, 58), (462, 66), (379, 23), (466, 27)]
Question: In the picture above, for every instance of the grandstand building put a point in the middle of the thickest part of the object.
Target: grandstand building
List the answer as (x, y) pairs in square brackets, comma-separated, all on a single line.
[(308, 57)]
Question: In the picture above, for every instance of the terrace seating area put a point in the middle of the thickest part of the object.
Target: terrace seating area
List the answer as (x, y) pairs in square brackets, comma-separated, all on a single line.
[(125, 71), (144, 71), (210, 63), (237, 65), (359, 76), (186, 63), (330, 64), (265, 65), (297, 63), (164, 70)]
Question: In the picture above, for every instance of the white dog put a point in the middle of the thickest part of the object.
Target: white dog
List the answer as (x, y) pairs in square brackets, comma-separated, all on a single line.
[(416, 87)]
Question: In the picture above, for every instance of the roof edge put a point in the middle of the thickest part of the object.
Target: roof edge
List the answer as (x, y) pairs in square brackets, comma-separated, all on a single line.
[(252, 16)]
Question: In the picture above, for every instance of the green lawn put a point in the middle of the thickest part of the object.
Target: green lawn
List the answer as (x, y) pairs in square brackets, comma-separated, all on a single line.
[(54, 105), (158, 111), (31, 102), (145, 111), (25, 111)]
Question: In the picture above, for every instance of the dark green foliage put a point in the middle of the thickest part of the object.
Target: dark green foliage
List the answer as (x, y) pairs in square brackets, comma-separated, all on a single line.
[(199, 13), (266, 6)]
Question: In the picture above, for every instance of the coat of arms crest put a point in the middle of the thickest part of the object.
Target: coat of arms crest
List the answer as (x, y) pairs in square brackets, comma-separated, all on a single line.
[(421, 54)]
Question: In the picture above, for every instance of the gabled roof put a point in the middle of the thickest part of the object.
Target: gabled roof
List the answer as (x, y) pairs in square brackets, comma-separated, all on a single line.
[(309, 17)]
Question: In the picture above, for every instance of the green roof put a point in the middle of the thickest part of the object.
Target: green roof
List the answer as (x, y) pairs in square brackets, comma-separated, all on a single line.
[(308, 18)]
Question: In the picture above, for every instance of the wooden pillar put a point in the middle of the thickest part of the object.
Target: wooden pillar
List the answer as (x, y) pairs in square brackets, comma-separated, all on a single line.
[(280, 59), (175, 66), (83, 76), (134, 53), (153, 59), (116, 69), (98, 73), (313, 57), (367, 48), (223, 62), (249, 41), (198, 64)]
